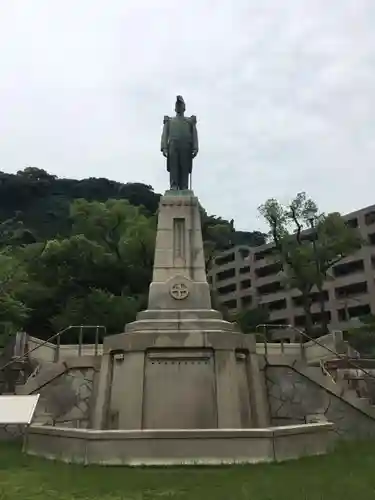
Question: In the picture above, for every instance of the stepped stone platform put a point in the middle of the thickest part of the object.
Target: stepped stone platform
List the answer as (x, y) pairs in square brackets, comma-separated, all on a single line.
[(180, 447), (180, 385)]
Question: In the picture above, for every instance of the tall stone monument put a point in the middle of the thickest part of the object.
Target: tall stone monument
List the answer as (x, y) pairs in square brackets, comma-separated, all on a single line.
[(180, 385), (179, 365)]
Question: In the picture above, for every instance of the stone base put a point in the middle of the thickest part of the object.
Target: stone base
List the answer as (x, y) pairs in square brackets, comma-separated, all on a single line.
[(171, 320), (178, 447), (192, 295), (185, 373)]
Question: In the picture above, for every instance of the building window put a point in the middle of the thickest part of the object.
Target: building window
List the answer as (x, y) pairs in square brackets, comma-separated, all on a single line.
[(371, 238), (315, 297), (342, 314), (246, 301), (245, 284), (317, 317), (244, 252), (224, 290), (353, 223), (347, 313), (245, 270), (355, 266), (224, 275), (370, 218), (264, 253), (225, 259), (300, 320), (269, 270), (276, 305), (230, 304), (352, 290), (269, 288)]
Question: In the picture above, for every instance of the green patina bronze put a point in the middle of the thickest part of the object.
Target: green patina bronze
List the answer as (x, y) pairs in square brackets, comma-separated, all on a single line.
[(179, 144)]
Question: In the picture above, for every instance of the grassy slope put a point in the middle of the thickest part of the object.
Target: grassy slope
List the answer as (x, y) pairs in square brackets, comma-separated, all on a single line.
[(347, 474)]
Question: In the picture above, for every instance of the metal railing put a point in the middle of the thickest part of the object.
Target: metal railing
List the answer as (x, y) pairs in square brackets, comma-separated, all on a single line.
[(303, 335), (57, 337), (80, 338), (326, 372)]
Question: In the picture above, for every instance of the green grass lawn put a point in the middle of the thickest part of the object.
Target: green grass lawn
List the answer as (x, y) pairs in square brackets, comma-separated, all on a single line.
[(347, 474)]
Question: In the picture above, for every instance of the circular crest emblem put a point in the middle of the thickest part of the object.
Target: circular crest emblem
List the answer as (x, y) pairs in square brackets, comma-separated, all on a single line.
[(179, 291)]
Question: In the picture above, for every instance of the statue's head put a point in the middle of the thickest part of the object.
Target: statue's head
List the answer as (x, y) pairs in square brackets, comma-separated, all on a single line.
[(180, 105)]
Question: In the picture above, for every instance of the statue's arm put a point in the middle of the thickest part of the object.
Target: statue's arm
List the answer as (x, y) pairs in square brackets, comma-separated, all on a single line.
[(193, 120), (165, 134)]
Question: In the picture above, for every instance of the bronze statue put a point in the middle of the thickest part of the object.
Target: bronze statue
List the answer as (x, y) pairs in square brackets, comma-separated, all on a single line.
[(179, 144)]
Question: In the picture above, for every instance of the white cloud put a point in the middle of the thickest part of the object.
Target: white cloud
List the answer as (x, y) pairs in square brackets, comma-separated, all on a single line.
[(283, 92)]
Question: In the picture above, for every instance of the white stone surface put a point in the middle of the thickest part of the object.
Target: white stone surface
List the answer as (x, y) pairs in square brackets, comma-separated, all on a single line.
[(17, 409)]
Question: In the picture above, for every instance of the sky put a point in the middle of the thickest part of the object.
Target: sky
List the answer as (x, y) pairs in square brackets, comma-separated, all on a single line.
[(284, 93)]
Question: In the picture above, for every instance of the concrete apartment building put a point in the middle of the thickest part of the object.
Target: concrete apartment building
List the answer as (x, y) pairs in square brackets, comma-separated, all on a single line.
[(245, 277)]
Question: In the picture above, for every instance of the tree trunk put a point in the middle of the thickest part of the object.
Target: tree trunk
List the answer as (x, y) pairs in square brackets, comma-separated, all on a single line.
[(323, 318), (307, 310), (322, 305)]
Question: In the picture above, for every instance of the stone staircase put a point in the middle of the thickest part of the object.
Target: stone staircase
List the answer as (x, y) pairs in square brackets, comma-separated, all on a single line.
[(65, 389), (299, 393), (304, 385), (324, 379)]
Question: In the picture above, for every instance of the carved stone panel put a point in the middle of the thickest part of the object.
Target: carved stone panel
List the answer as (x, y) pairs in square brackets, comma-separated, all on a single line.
[(179, 390)]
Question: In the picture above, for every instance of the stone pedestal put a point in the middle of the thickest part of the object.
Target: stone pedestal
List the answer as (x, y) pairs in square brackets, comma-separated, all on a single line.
[(179, 365), (179, 278)]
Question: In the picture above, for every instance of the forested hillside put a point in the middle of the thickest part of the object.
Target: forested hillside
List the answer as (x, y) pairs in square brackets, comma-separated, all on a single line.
[(81, 251)]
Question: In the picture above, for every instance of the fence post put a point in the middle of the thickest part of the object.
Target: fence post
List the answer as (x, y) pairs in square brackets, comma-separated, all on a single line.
[(57, 349), (96, 340), (80, 340)]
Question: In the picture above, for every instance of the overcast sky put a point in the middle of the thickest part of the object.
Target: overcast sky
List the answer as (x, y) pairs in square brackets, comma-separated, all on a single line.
[(284, 93)]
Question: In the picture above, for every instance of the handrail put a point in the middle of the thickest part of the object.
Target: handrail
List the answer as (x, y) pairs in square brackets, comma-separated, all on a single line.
[(80, 339), (315, 341), (58, 337), (326, 372)]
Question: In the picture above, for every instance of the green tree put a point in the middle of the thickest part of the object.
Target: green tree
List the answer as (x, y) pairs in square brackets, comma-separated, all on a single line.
[(96, 307), (99, 274), (308, 244), (13, 312), (41, 201), (249, 319), (362, 337)]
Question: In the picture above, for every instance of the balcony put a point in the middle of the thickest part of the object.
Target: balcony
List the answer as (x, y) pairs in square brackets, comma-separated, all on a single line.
[(245, 284), (246, 301), (226, 275), (300, 320), (348, 268), (231, 305), (270, 288), (353, 223), (244, 270), (271, 269), (353, 312), (277, 305), (351, 290), (315, 309), (315, 297), (224, 259), (370, 218), (226, 289), (267, 280)]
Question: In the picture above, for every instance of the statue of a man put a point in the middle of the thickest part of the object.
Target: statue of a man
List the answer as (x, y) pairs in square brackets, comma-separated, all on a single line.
[(179, 144)]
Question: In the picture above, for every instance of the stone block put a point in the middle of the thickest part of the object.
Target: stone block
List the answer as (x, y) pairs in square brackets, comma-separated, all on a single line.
[(178, 447)]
